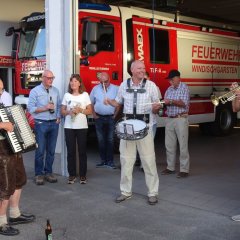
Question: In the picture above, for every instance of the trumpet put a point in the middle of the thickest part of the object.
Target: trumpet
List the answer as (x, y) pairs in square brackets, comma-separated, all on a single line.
[(227, 97)]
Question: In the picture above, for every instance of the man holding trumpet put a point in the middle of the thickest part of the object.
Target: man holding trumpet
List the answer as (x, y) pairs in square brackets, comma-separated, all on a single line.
[(236, 108), (236, 100)]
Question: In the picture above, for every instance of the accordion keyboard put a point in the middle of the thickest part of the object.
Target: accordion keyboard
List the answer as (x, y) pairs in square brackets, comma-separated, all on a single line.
[(22, 138)]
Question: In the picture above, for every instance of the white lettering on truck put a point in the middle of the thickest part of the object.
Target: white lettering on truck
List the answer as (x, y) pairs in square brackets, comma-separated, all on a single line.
[(215, 59), (140, 44), (215, 53)]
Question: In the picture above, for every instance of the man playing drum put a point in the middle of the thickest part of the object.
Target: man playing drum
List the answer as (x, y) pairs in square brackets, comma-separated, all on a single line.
[(137, 95)]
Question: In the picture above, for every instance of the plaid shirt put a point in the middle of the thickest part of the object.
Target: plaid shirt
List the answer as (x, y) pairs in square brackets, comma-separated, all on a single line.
[(143, 99), (179, 93)]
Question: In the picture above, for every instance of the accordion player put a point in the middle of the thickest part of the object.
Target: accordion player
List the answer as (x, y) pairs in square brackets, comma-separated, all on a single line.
[(22, 138)]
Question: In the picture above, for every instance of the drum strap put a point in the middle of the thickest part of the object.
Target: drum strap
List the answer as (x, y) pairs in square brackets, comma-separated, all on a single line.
[(135, 92)]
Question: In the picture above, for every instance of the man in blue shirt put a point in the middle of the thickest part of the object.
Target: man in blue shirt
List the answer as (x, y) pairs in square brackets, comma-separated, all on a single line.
[(104, 116), (44, 105)]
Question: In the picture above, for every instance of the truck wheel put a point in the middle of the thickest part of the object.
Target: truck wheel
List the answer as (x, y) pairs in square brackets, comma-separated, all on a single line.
[(224, 121)]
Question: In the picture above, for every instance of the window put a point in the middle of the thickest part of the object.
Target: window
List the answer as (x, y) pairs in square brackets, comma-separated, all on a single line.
[(32, 44), (159, 46), (97, 37)]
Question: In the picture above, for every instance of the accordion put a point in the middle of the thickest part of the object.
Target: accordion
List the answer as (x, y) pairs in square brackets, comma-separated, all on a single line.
[(22, 138)]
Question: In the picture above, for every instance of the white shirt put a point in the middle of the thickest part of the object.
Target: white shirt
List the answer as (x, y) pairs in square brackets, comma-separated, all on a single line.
[(144, 100), (70, 101), (6, 99)]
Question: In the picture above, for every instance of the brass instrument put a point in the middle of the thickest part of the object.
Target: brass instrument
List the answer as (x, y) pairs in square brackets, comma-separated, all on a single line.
[(227, 97)]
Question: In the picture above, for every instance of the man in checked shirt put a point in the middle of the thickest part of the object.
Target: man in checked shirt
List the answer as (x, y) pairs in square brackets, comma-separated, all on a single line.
[(146, 98), (177, 102)]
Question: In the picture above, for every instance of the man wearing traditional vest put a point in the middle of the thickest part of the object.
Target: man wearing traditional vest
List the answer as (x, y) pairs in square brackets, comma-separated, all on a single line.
[(137, 95)]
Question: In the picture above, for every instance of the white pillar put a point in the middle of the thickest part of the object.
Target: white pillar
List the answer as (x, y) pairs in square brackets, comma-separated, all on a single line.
[(59, 51)]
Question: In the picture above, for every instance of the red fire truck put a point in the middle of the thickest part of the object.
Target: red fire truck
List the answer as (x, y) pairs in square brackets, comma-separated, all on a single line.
[(110, 37)]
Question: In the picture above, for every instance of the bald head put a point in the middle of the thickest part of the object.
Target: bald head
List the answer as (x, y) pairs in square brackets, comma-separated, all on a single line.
[(104, 78), (138, 70)]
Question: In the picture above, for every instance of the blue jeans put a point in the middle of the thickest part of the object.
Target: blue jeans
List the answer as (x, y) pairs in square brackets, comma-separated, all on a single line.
[(105, 131), (46, 137)]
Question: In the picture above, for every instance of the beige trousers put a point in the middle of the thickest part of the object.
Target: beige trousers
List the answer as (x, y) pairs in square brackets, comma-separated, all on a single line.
[(177, 131), (146, 151)]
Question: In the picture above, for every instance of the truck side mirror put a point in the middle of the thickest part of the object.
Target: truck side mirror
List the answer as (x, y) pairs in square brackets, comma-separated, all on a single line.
[(91, 48), (9, 32), (91, 37)]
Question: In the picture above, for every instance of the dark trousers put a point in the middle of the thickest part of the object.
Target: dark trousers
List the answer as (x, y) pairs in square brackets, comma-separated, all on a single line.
[(75, 137), (105, 131)]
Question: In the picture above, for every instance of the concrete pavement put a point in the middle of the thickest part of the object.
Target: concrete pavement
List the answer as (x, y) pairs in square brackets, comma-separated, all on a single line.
[(198, 207)]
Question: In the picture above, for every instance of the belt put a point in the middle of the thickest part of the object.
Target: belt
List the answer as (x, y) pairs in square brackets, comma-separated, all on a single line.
[(142, 117), (52, 120), (181, 115), (107, 115)]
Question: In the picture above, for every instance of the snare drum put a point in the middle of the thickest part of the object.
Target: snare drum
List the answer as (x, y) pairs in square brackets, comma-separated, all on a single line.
[(131, 129)]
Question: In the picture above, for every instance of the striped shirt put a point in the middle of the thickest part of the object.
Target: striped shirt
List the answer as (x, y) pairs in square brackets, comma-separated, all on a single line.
[(179, 93), (144, 100)]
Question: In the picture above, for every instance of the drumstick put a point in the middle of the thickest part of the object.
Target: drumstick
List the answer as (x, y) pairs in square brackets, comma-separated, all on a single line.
[(144, 104)]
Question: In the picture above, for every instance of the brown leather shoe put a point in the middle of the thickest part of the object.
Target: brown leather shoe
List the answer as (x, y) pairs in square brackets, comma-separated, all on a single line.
[(182, 175), (122, 198), (39, 179), (167, 172), (49, 177)]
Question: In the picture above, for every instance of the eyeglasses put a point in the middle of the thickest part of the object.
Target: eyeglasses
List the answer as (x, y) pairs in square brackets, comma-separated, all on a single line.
[(49, 78)]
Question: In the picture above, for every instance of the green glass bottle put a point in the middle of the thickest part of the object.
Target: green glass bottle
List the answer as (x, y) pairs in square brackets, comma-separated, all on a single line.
[(48, 231)]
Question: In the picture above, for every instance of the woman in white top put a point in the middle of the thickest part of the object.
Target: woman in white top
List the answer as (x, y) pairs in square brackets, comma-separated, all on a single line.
[(76, 105)]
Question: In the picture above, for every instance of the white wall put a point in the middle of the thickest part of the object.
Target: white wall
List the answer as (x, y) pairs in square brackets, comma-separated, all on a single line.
[(5, 42), (59, 50)]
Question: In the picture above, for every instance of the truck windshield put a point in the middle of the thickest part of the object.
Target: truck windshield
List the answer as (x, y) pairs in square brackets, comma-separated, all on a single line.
[(32, 44)]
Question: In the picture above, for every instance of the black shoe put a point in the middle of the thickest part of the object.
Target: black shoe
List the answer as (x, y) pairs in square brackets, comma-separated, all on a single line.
[(23, 218), (167, 172), (182, 175), (152, 200), (101, 165), (8, 230), (111, 165)]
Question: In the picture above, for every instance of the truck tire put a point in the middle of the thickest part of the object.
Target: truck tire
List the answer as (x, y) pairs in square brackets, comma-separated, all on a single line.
[(224, 121)]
